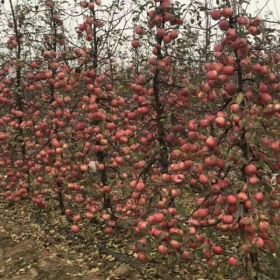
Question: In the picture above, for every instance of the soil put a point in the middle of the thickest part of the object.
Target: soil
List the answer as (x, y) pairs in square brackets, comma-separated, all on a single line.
[(38, 245)]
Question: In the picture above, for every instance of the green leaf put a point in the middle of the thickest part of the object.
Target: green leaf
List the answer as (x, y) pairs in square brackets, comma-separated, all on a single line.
[(267, 188)]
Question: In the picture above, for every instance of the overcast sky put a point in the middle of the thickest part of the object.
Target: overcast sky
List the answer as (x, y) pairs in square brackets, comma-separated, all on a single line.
[(271, 7), (268, 6)]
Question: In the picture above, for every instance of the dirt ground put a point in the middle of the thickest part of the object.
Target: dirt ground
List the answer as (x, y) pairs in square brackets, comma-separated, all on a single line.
[(37, 245)]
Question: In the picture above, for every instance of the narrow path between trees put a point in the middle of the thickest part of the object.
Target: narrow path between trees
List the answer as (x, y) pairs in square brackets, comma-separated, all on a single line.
[(37, 245)]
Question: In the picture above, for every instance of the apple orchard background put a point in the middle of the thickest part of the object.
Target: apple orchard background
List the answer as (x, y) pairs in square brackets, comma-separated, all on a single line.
[(157, 120)]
